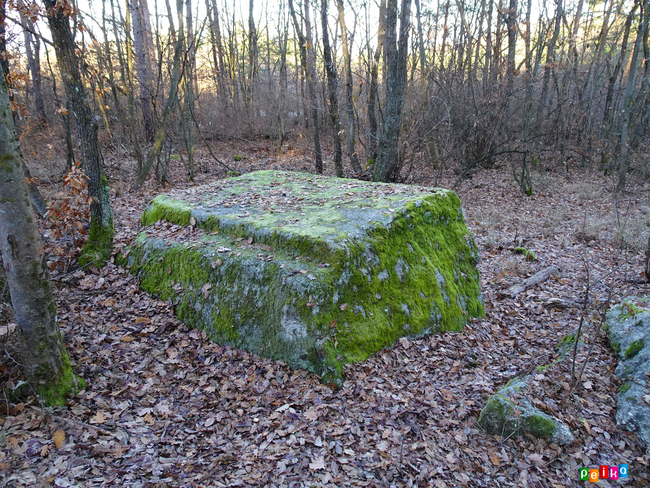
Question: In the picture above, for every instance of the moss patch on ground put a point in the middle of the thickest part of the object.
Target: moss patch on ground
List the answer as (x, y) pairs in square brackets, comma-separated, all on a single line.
[(315, 271)]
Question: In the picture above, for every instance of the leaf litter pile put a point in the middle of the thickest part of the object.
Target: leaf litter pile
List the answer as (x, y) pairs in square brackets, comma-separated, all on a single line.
[(164, 406)]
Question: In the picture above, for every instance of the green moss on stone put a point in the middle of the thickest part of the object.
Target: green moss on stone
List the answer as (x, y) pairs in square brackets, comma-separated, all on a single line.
[(527, 253), (355, 266), (164, 208), (616, 346), (634, 348), (629, 309), (539, 425), (625, 387)]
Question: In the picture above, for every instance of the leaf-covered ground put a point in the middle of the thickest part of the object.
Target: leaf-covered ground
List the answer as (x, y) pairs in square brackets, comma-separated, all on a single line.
[(166, 407)]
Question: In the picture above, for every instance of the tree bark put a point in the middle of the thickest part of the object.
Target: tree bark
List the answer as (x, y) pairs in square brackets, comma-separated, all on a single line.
[(40, 347), (100, 238), (35, 196), (332, 87), (349, 101), (373, 143), (309, 72), (387, 165), (252, 57), (622, 158), (143, 47), (33, 52)]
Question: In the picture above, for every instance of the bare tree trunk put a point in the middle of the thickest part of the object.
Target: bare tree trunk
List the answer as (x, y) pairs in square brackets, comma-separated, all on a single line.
[(100, 238), (33, 52), (252, 57), (388, 165), (309, 72), (332, 89), (349, 102), (622, 158), (445, 34), (608, 113), (217, 45), (40, 347), (162, 128), (511, 23), (373, 97), (550, 58), (186, 98), (143, 48), (488, 48), (422, 53)]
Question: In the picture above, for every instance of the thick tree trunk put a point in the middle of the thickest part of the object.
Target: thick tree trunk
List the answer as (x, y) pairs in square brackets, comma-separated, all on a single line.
[(387, 165), (45, 362), (100, 238), (34, 193), (332, 89)]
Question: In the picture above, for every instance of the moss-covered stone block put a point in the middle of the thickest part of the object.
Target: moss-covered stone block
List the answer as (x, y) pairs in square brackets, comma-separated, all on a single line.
[(315, 271), (509, 413)]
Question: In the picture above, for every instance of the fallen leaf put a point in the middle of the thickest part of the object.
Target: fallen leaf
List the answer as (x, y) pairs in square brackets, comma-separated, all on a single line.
[(312, 414), (344, 306), (58, 439), (127, 338), (205, 290), (537, 459), (98, 418), (319, 463), (143, 320), (494, 458)]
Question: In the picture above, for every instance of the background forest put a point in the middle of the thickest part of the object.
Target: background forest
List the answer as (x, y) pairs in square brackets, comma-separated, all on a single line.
[(552, 83)]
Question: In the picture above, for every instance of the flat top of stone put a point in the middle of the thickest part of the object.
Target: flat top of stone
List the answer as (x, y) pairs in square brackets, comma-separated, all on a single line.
[(300, 203)]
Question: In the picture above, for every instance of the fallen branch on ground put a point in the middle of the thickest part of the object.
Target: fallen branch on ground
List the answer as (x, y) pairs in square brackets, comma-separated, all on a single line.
[(536, 279)]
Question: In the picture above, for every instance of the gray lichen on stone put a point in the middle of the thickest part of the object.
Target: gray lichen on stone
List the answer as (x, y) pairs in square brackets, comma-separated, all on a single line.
[(312, 270), (628, 327)]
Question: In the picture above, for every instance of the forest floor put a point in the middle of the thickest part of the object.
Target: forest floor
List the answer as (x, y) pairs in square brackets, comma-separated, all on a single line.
[(166, 407)]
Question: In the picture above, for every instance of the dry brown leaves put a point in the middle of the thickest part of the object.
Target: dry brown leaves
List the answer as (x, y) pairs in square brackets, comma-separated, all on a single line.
[(166, 407)]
